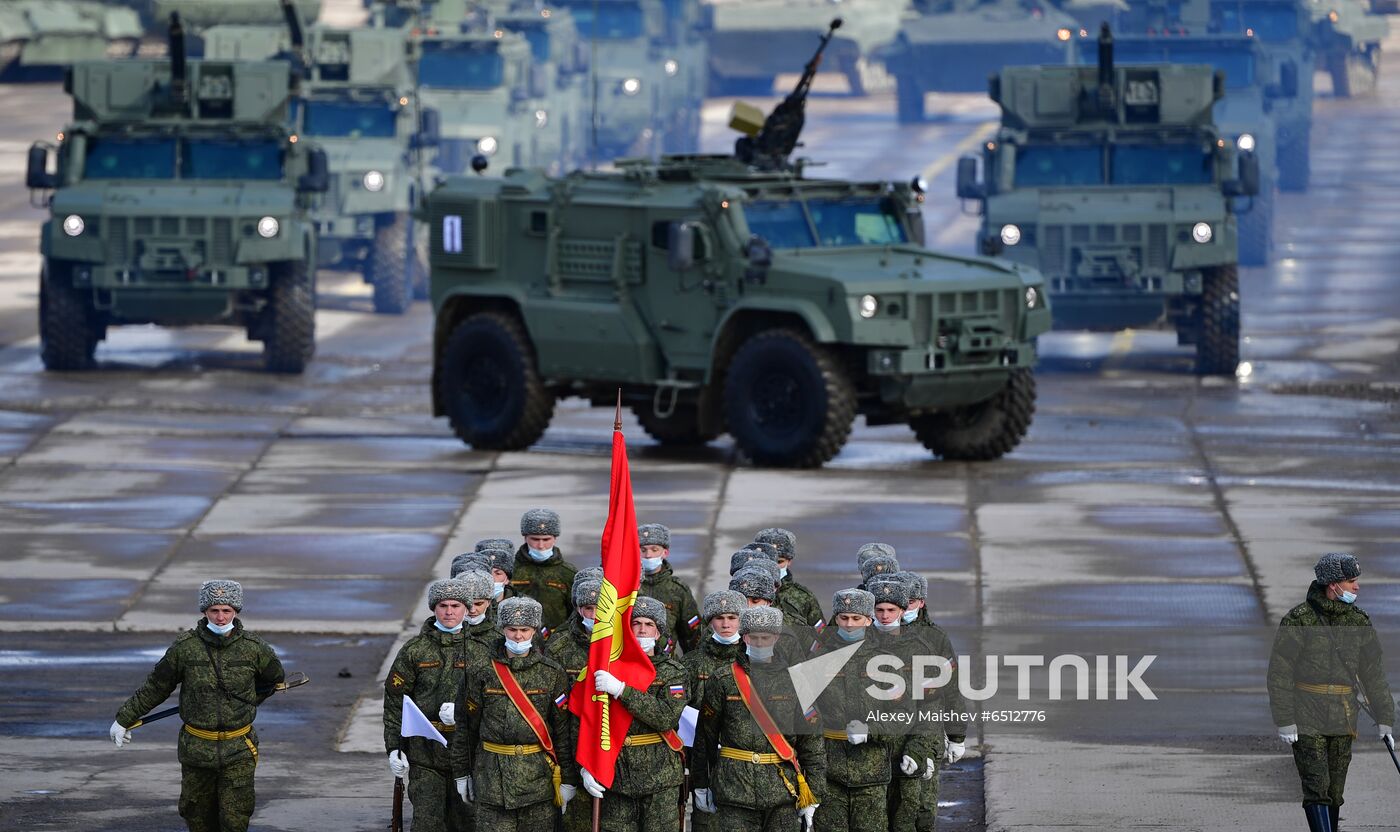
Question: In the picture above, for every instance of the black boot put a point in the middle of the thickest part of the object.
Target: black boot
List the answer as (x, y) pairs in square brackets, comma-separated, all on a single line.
[(1336, 812), (1319, 817)]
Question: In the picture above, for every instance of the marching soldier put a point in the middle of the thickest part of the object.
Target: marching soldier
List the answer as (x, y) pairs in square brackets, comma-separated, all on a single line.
[(500, 565), (800, 607), (495, 543), (1324, 648), (478, 624), (747, 772), (659, 582), (645, 795), (870, 550), (429, 669), (755, 584), (224, 673), (718, 649), (540, 569), (470, 562), (513, 757), (877, 565), (569, 648)]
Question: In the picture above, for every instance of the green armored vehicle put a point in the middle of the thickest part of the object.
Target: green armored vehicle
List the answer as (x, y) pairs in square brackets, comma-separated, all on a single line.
[(180, 198), (754, 41), (1115, 182), (724, 293), (44, 35), (1347, 36)]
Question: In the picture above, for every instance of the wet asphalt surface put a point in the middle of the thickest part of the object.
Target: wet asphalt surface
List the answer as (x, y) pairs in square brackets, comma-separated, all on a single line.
[(1148, 512)]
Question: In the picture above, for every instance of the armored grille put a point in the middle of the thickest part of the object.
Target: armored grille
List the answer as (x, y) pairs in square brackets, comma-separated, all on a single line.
[(466, 234), (221, 249), (123, 235), (196, 226), (592, 260), (169, 226), (1156, 258), (118, 239), (1105, 234), (1052, 249), (1057, 257)]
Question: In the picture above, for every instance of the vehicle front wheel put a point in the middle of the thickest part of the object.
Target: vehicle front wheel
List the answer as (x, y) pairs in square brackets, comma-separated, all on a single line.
[(289, 333), (787, 401), (68, 326), (393, 289), (983, 431), (489, 387), (1218, 344)]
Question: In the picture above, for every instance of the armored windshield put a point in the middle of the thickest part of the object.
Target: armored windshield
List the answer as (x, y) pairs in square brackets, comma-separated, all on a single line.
[(240, 159), (349, 119), (129, 159), (1163, 164), (1272, 23), (461, 66), (1237, 64), (1051, 166), (825, 222), (607, 21)]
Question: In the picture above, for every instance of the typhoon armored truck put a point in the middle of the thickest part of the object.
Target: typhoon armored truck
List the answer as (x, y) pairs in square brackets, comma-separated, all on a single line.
[(1347, 36), (180, 197), (724, 293), (46, 34), (1114, 181)]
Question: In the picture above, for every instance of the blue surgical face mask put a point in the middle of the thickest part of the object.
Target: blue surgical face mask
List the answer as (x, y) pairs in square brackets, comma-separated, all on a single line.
[(648, 643), (887, 628), (475, 620), (518, 648), (759, 654), (539, 555), (497, 590), (782, 571), (909, 616), (651, 564), (1347, 597), (587, 624), (228, 628), (851, 634), (438, 624), (734, 639)]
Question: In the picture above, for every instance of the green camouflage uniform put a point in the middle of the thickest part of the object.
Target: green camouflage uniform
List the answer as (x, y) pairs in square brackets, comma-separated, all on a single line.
[(429, 670), (753, 797), (569, 648), (514, 793), (222, 680), (701, 662), (914, 801), (551, 583), (645, 795), (1303, 654), (800, 607), (682, 613)]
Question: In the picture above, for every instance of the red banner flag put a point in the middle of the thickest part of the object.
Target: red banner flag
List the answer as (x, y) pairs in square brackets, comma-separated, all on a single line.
[(604, 723)]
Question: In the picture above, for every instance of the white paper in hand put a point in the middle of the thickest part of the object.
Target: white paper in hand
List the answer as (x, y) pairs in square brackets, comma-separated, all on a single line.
[(687, 729), (415, 724)]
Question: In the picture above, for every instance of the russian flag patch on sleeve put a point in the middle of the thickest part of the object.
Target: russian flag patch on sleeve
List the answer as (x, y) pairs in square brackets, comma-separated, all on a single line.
[(694, 621), (562, 700), (820, 625), (677, 691), (810, 714)]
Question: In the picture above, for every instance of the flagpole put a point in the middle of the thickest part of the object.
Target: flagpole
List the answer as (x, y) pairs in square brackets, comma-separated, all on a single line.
[(617, 417)]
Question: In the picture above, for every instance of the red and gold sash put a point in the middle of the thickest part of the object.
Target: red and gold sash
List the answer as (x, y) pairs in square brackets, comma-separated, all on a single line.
[(775, 737), (532, 718)]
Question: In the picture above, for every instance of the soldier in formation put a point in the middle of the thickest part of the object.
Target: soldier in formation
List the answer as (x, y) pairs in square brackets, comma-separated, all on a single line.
[(720, 647), (1326, 654), (541, 572), (800, 607), (659, 582), (569, 648), (224, 673)]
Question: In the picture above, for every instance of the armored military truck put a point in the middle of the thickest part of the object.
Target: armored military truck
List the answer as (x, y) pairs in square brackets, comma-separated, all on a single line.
[(724, 293), (1115, 182), (1347, 36), (180, 197), (37, 36)]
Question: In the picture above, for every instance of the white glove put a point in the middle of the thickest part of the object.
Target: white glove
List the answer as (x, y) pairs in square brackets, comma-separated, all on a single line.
[(954, 751), (591, 785), (908, 766), (1288, 733), (1387, 734), (806, 815), (705, 801), (398, 764), (447, 714), (465, 790), (928, 769), (119, 735), (856, 732), (605, 682), (566, 792)]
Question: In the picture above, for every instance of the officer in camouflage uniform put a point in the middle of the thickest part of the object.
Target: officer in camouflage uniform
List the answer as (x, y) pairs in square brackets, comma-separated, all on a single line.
[(498, 763), (719, 648), (800, 607), (224, 673), (645, 795), (569, 648), (540, 569), (1324, 646), (659, 582), (429, 669), (735, 770)]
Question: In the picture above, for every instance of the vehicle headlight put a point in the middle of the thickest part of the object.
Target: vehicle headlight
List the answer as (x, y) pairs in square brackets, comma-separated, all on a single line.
[(1032, 297), (373, 181), (268, 227), (1245, 141), (486, 145), (1201, 232), (869, 305), (1010, 234), (1063, 34), (73, 225), (671, 67), (631, 86), (541, 118)]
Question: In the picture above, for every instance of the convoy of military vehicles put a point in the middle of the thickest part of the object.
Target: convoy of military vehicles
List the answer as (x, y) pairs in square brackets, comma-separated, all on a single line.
[(533, 168)]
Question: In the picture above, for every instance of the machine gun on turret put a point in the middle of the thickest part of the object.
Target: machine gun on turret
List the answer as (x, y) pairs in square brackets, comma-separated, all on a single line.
[(296, 52), (768, 145)]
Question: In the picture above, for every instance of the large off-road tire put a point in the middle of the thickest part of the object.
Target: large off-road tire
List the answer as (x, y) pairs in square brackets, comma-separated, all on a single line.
[(68, 326), (1354, 74), (1257, 228), (983, 431), (681, 429), (909, 100), (1294, 161), (787, 401), (388, 268), (1218, 340), (289, 332), (489, 386)]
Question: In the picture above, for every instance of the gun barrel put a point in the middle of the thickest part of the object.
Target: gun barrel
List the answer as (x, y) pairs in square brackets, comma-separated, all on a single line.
[(1105, 56), (178, 68)]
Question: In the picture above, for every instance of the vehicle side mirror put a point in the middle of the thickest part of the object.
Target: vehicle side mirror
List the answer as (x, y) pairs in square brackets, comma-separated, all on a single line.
[(968, 186), (37, 177), (317, 179), (680, 246), (760, 256), (1288, 79), (429, 129), (1248, 183), (479, 164)]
